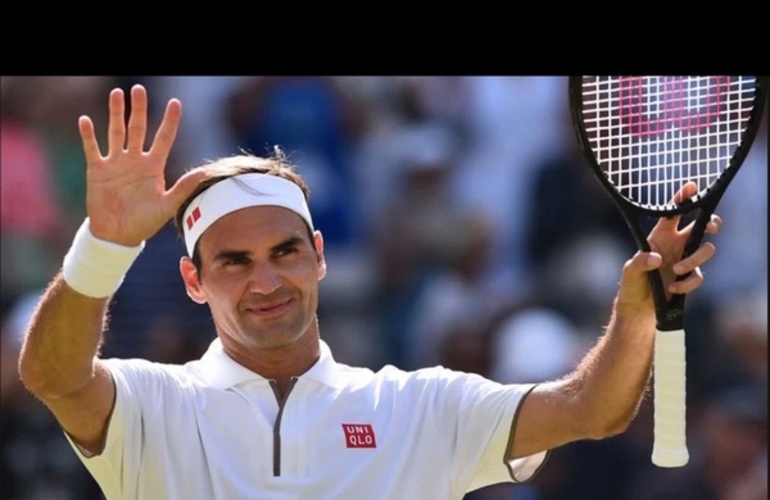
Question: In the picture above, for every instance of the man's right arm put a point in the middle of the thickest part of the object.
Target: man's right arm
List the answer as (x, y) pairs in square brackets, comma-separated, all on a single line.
[(59, 363), (127, 203)]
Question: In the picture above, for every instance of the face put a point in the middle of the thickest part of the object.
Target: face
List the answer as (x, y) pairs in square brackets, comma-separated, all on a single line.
[(259, 276)]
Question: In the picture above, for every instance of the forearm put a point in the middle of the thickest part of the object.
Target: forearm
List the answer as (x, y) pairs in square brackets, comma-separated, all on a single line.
[(602, 395), (62, 341), (611, 380)]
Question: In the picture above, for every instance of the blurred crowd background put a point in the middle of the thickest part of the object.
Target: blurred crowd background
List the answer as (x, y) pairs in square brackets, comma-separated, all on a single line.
[(462, 228)]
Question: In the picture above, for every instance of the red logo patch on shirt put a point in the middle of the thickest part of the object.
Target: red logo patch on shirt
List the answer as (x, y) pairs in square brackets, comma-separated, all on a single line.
[(359, 436), (193, 217)]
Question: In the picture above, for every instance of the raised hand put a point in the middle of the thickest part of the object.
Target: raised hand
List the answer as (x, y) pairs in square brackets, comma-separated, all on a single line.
[(667, 241), (127, 200)]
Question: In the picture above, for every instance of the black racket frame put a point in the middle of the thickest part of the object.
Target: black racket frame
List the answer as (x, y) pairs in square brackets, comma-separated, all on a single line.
[(669, 312)]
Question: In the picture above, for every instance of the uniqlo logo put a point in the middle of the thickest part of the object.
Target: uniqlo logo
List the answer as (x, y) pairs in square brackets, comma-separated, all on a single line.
[(193, 217), (359, 436)]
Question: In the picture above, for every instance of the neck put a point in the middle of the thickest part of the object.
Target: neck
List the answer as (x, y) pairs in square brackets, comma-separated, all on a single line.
[(279, 363)]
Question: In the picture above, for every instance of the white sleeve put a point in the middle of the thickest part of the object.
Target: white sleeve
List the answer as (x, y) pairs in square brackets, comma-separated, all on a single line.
[(521, 469), (120, 459), (486, 414)]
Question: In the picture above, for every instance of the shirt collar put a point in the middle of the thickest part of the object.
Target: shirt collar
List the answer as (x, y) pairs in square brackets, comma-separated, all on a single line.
[(223, 372)]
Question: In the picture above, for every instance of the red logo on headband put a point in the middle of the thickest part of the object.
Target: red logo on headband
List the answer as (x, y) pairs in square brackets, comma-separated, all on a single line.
[(193, 217)]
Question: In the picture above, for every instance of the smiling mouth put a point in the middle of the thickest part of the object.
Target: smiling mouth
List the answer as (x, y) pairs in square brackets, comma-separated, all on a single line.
[(270, 310)]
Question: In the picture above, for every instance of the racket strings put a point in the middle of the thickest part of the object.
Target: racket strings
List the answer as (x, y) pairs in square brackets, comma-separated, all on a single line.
[(652, 134)]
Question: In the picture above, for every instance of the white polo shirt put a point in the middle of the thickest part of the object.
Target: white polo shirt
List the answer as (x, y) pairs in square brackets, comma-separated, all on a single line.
[(212, 429)]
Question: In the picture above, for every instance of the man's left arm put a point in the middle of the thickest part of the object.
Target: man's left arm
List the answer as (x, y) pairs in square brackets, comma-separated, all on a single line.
[(600, 398)]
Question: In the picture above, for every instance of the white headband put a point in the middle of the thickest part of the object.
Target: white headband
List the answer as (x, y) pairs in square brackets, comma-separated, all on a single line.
[(235, 193)]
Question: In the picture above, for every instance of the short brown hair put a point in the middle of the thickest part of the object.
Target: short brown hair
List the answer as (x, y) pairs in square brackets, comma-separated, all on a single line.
[(276, 164)]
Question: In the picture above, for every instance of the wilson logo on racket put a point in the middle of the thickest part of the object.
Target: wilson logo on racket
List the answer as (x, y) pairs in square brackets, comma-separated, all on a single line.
[(359, 436), (671, 103)]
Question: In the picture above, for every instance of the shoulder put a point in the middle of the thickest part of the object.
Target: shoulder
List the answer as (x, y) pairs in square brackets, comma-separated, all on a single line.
[(138, 371), (439, 387), (436, 378)]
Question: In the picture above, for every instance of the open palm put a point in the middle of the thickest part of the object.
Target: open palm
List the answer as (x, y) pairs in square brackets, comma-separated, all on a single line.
[(127, 200)]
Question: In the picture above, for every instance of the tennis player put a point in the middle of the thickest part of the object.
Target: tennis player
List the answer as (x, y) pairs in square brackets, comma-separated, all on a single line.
[(267, 412)]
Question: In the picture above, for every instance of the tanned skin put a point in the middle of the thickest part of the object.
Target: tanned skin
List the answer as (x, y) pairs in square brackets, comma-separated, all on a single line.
[(275, 282)]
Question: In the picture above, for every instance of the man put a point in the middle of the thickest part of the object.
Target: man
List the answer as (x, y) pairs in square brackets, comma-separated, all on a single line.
[(267, 412)]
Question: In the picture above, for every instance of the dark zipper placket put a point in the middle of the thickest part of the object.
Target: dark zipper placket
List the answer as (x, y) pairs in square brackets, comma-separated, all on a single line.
[(277, 426)]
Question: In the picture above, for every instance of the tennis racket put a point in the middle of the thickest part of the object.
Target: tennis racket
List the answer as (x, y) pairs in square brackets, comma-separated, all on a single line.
[(645, 137)]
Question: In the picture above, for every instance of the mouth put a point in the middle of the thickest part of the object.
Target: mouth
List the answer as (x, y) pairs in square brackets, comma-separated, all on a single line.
[(269, 310)]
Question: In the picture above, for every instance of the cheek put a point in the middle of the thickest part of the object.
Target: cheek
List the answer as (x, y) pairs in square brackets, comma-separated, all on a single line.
[(302, 274), (306, 284), (221, 290)]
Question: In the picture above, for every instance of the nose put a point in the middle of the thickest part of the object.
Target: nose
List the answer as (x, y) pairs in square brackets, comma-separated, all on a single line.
[(264, 279)]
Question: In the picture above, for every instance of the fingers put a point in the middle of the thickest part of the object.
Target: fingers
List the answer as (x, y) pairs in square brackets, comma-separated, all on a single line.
[(88, 138), (714, 225), (637, 267), (691, 268), (688, 284), (184, 186), (687, 191), (117, 127), (164, 138), (133, 141), (137, 123), (634, 281), (698, 258)]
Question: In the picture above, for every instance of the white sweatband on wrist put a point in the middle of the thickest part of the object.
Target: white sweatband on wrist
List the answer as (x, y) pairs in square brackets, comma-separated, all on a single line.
[(237, 192), (94, 267)]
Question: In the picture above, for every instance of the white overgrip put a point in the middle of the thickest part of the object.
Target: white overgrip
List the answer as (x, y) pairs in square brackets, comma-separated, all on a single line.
[(669, 365)]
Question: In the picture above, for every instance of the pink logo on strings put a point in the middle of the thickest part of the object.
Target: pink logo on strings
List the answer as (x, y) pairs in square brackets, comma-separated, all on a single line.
[(679, 104)]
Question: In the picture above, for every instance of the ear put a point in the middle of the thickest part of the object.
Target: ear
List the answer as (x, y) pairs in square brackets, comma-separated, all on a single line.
[(318, 241), (191, 280)]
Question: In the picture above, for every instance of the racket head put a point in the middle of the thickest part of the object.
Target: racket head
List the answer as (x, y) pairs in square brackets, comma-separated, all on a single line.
[(646, 136)]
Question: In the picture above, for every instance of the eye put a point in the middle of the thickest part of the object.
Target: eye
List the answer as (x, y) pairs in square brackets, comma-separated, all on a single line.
[(285, 251), (236, 260)]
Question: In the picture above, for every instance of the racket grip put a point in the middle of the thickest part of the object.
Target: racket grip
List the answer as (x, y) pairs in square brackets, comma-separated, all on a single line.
[(669, 365)]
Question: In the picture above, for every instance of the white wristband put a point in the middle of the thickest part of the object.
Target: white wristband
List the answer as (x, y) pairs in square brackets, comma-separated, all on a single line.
[(94, 267)]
